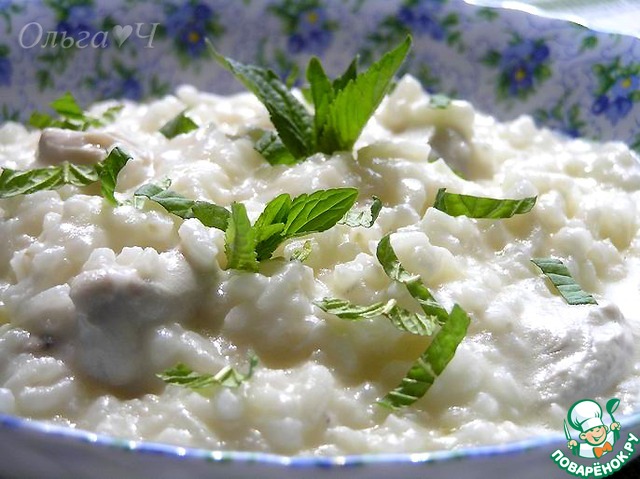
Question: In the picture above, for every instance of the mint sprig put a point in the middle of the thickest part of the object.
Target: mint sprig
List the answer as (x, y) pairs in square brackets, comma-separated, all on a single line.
[(342, 107), (71, 116), (16, 182), (283, 218)]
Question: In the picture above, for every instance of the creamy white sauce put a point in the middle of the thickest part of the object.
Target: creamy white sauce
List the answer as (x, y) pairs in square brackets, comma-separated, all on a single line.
[(95, 300)]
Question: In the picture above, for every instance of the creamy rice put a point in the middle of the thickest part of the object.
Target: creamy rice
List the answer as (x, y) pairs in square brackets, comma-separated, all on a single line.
[(95, 300)]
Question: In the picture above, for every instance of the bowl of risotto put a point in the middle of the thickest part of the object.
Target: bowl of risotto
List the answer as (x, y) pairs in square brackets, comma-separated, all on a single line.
[(316, 239)]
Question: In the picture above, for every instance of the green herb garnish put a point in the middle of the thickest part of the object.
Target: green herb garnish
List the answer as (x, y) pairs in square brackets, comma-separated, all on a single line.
[(282, 219), (364, 216), (240, 240), (301, 254), (431, 363), (561, 278), (455, 204), (394, 269), (183, 375), (178, 125), (401, 318), (71, 116), (15, 182), (451, 327), (342, 107), (108, 173)]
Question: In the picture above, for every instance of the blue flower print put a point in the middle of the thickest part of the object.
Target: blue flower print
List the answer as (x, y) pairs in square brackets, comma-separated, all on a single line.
[(524, 64), (312, 34), (79, 19), (5, 71), (625, 86), (619, 88), (423, 17), (189, 25)]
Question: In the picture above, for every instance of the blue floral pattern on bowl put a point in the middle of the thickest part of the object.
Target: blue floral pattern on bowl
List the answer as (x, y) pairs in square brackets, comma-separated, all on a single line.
[(581, 82)]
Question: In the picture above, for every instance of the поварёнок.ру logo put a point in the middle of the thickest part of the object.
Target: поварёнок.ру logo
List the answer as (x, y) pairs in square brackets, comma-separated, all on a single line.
[(597, 441)]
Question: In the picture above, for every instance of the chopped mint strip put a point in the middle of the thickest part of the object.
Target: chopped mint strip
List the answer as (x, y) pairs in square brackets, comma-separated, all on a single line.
[(439, 102), (271, 147), (365, 216), (342, 107), (183, 375), (178, 125), (561, 278), (71, 116), (301, 254), (394, 269), (347, 310), (15, 182), (401, 318), (479, 207), (240, 240), (431, 363), (108, 172), (209, 214)]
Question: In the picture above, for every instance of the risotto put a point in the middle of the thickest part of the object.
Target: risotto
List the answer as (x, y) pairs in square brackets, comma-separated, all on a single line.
[(97, 300)]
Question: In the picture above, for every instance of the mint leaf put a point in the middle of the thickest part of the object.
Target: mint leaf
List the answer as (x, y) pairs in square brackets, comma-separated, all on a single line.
[(318, 211), (178, 125), (349, 74), (561, 278), (209, 214), (322, 94), (431, 363), (301, 254), (394, 269), (16, 182), (71, 116), (240, 240), (480, 207), (271, 147), (364, 216), (356, 102), (290, 118), (66, 106), (108, 172), (401, 318), (270, 224), (183, 375)]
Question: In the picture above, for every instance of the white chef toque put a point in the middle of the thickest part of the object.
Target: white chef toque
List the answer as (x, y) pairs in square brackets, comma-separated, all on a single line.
[(585, 415)]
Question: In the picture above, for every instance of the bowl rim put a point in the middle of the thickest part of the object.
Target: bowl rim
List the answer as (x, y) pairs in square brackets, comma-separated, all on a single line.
[(80, 436)]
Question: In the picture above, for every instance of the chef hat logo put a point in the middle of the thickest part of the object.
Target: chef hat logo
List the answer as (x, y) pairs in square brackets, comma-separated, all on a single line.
[(585, 415)]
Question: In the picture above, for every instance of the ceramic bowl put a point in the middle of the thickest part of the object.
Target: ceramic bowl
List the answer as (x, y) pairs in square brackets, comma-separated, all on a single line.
[(507, 63)]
